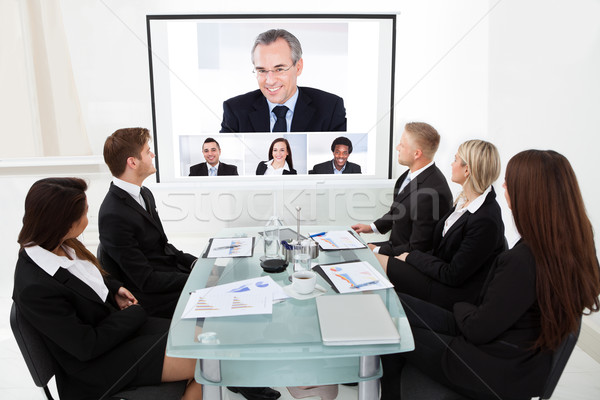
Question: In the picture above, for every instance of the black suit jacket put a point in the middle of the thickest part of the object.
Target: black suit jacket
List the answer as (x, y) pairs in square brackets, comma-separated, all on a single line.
[(153, 269), (262, 167), (315, 111), (202, 169), (415, 212), (498, 331), (93, 344), (458, 265), (327, 168)]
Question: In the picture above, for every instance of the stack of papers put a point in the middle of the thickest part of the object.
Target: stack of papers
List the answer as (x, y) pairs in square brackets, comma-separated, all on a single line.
[(247, 297), (352, 277)]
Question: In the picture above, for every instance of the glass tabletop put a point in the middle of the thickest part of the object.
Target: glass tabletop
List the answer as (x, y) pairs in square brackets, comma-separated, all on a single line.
[(291, 332)]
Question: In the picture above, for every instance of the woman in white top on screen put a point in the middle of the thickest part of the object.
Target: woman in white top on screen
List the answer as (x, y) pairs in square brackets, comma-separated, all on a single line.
[(280, 160)]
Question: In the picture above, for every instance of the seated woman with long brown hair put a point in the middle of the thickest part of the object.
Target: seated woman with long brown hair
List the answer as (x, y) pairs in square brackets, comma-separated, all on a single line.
[(100, 337), (501, 346)]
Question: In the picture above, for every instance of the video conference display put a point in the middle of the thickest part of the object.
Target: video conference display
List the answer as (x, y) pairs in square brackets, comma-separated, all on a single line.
[(199, 61)]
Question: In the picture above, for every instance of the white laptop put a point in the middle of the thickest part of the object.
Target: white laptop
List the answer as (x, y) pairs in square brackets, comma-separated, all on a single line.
[(355, 319)]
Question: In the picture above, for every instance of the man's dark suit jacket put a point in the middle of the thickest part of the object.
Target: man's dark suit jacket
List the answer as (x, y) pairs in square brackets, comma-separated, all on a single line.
[(327, 168), (202, 169), (93, 344), (415, 212), (315, 111), (458, 265), (262, 167), (153, 269)]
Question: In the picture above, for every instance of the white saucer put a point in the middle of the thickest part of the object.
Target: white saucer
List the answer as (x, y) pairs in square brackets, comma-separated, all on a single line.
[(319, 290)]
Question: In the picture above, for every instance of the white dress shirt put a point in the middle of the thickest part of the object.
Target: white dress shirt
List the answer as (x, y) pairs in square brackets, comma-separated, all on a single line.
[(132, 189), (82, 269)]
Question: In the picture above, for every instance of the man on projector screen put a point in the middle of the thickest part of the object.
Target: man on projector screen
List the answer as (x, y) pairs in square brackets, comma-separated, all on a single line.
[(213, 166), (279, 105)]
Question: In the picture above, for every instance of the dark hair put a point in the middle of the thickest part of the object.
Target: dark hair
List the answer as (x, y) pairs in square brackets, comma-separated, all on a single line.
[(122, 144), (211, 140), (425, 136), (550, 216), (344, 141), (288, 158), (52, 207), (270, 36)]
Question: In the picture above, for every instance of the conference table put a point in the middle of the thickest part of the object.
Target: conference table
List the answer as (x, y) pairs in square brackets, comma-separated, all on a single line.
[(283, 348)]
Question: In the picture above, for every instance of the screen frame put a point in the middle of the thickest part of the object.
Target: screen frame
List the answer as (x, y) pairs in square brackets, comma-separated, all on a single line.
[(382, 16)]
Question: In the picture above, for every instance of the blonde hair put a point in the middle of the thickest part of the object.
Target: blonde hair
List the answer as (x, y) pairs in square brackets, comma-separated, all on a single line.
[(483, 160)]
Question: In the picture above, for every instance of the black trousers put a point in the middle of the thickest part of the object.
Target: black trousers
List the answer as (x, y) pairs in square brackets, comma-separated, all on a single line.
[(433, 329)]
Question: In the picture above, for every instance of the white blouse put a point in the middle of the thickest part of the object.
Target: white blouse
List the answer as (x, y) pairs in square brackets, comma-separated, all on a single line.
[(272, 171), (82, 269), (459, 210)]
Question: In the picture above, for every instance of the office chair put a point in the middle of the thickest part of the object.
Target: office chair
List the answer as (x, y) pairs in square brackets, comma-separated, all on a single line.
[(42, 366), (417, 386), (559, 361)]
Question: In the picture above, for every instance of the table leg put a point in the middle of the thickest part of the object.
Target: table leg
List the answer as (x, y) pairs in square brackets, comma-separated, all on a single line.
[(369, 366), (211, 371)]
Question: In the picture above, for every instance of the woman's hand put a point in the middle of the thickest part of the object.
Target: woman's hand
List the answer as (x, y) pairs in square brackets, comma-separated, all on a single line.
[(402, 257), (124, 298)]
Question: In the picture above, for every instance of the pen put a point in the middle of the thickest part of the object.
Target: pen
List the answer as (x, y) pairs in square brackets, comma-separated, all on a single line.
[(365, 284), (317, 234), (226, 247)]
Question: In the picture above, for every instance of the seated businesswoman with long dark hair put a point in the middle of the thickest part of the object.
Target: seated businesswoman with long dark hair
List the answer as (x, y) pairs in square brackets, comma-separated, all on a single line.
[(466, 241), (501, 346), (101, 339), (280, 160)]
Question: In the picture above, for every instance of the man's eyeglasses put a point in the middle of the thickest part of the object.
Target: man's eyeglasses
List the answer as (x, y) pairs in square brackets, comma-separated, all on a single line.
[(262, 73)]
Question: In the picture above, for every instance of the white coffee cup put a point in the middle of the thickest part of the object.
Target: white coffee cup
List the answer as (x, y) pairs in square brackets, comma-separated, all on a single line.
[(303, 282)]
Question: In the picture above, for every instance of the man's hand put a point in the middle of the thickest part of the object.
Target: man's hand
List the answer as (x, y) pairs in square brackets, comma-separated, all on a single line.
[(362, 228), (124, 298)]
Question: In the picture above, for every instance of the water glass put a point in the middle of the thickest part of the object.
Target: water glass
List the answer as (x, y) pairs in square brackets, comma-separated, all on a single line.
[(301, 258)]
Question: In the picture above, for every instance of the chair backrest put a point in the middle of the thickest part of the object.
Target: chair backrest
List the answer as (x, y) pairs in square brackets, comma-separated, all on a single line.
[(39, 361), (559, 361), (108, 264)]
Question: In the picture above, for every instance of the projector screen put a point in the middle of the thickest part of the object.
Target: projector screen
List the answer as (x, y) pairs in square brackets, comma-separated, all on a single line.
[(199, 61)]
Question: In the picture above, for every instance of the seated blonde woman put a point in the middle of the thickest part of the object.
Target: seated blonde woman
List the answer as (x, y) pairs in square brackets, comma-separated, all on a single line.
[(466, 241)]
